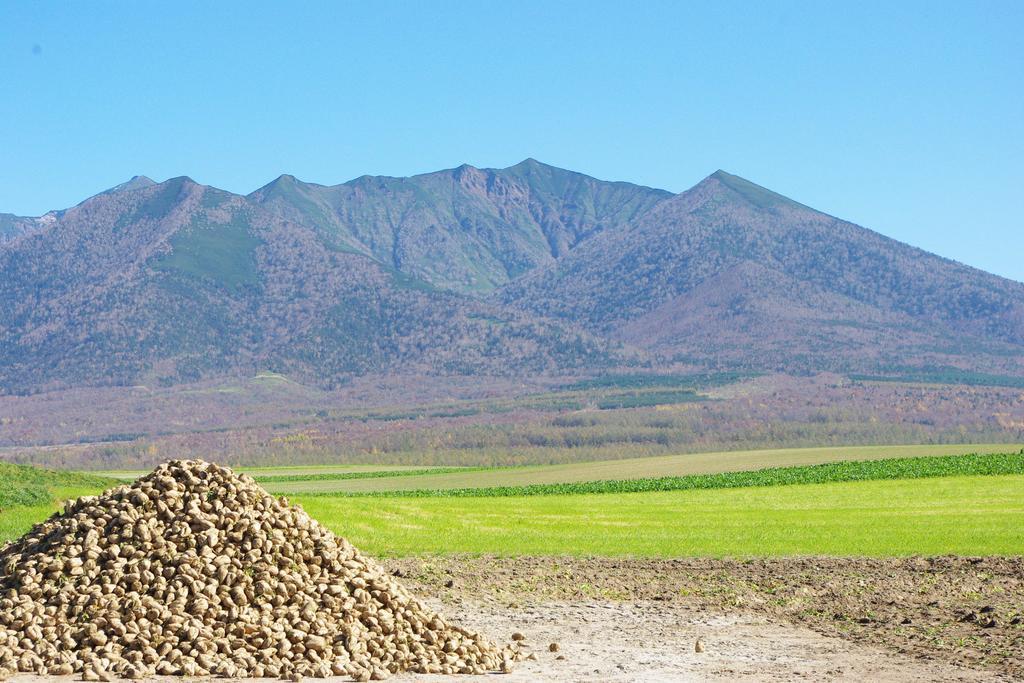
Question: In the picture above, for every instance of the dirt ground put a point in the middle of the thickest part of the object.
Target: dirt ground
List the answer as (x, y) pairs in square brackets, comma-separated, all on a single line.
[(654, 641), (946, 618), (814, 619)]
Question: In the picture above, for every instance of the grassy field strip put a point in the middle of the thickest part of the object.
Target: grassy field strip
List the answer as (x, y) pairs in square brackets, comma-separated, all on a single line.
[(946, 514), (919, 467), (963, 515), (27, 485), (301, 471), (342, 476), (18, 519), (635, 468)]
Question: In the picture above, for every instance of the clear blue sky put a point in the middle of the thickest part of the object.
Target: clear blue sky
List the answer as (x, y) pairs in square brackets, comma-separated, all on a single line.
[(905, 117)]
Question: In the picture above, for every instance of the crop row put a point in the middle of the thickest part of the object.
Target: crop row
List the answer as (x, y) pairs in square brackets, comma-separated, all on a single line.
[(893, 468)]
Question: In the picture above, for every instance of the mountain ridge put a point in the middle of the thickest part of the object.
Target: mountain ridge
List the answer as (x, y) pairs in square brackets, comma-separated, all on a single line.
[(702, 232), (523, 270), (464, 228)]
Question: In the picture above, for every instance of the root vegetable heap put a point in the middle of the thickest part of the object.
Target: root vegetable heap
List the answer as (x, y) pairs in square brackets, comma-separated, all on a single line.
[(193, 570)]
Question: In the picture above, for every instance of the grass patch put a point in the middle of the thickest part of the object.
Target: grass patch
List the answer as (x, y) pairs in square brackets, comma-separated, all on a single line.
[(223, 254), (649, 398), (946, 376), (969, 515), (16, 521), (26, 485)]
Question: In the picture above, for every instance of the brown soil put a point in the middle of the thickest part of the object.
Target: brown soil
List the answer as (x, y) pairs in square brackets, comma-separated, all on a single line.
[(655, 641), (947, 618)]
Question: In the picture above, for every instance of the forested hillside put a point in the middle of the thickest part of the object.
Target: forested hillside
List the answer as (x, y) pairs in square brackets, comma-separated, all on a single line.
[(523, 271)]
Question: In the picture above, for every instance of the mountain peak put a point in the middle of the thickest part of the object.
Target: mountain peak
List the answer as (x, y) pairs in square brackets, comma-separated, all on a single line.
[(136, 182), (530, 164), (465, 171), (140, 181), (285, 182), (538, 169), (753, 193)]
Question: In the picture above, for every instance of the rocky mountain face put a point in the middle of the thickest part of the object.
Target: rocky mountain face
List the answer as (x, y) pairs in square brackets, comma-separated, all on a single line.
[(12, 226), (524, 270)]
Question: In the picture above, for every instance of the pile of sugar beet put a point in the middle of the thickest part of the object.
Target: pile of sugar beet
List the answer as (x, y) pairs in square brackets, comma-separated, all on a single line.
[(194, 570)]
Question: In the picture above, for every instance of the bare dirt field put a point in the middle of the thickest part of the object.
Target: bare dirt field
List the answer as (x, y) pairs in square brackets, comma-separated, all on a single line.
[(651, 641), (947, 618)]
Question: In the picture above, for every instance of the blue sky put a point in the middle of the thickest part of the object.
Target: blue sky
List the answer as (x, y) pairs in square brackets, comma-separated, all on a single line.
[(904, 117)]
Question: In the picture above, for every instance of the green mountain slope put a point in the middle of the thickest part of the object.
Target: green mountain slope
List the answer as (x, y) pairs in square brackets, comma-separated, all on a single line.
[(466, 229)]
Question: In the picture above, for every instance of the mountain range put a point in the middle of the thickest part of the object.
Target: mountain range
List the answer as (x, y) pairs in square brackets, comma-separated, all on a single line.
[(525, 270)]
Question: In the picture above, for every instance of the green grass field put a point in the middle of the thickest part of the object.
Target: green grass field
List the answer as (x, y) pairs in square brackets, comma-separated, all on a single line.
[(30, 494), (878, 501), (975, 515), (22, 485)]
